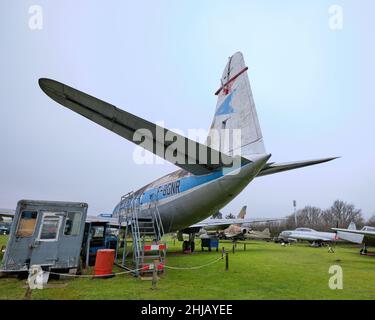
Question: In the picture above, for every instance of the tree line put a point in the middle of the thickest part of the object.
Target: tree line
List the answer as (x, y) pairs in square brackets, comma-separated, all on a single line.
[(339, 215)]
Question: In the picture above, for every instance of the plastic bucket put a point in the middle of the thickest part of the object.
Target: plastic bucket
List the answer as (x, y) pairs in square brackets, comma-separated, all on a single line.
[(104, 262)]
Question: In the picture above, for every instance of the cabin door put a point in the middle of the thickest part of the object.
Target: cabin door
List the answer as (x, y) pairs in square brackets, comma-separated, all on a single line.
[(46, 246)]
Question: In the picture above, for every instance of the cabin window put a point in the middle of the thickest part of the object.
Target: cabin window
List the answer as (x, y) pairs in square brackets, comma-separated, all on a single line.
[(73, 223), (27, 224), (50, 228), (98, 232)]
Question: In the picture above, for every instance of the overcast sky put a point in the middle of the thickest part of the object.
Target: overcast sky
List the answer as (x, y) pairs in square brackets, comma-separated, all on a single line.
[(162, 60)]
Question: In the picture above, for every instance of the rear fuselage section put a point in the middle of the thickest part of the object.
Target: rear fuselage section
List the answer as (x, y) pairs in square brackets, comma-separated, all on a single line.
[(184, 199)]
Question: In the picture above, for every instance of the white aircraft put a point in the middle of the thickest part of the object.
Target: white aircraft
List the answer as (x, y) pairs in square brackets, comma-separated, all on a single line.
[(210, 175), (365, 236), (316, 238)]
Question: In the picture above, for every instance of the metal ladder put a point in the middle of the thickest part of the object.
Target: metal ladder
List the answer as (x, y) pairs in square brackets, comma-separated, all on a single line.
[(146, 233)]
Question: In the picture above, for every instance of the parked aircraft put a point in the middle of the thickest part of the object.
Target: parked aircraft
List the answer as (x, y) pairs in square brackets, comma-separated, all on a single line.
[(258, 235), (365, 236), (221, 226), (210, 175), (242, 233), (217, 225), (307, 234)]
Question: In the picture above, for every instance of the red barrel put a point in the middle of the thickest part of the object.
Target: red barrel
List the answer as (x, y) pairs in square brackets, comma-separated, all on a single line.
[(104, 262)]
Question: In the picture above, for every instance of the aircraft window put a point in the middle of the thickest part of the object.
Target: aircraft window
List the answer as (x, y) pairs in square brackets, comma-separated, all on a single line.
[(50, 228), (73, 223), (27, 224), (98, 232)]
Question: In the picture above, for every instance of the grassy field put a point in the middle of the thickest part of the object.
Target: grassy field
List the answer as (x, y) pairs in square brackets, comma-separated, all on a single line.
[(263, 271)]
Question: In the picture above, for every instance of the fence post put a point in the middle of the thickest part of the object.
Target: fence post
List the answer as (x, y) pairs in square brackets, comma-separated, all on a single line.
[(233, 248), (226, 261), (244, 247), (155, 275)]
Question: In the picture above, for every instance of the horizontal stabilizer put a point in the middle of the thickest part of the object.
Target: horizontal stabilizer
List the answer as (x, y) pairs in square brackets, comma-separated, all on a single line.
[(127, 125), (352, 226), (367, 233), (280, 167)]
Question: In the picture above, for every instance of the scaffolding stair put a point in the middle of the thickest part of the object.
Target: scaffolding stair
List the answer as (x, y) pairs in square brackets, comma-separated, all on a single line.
[(146, 230)]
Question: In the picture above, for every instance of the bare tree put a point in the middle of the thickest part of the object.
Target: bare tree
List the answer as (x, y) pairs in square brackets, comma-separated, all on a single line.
[(371, 221), (341, 214), (310, 216)]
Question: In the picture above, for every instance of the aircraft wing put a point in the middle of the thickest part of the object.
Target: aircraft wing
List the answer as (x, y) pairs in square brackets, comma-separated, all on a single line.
[(111, 221), (367, 233), (128, 125), (317, 238), (228, 222), (272, 168)]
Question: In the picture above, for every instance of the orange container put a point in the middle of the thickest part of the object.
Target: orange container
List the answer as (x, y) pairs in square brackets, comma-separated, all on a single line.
[(104, 262)]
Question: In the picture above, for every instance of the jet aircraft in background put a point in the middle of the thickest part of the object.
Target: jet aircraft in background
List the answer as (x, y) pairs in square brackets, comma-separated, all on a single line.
[(218, 227), (238, 232), (316, 238)]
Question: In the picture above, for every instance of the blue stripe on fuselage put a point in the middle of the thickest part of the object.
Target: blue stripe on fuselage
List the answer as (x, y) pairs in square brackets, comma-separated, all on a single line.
[(180, 185), (174, 187)]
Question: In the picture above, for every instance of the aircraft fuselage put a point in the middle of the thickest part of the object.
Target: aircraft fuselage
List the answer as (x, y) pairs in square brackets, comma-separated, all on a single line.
[(184, 199)]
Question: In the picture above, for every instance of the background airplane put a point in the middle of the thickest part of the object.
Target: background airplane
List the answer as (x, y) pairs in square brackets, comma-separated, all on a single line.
[(258, 235), (243, 229), (245, 233), (205, 182), (307, 234), (216, 226), (365, 236)]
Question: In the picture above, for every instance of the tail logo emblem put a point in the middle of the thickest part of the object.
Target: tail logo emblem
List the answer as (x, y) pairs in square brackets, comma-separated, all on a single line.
[(226, 106)]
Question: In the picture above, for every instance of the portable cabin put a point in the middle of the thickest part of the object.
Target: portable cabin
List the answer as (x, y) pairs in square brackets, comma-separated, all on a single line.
[(45, 233)]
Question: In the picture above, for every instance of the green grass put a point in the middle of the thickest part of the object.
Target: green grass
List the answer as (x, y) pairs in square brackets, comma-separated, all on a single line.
[(263, 271)]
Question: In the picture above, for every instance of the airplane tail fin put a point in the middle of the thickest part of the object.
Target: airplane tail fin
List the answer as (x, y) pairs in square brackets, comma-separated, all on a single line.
[(242, 213), (352, 226), (235, 109), (266, 232)]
